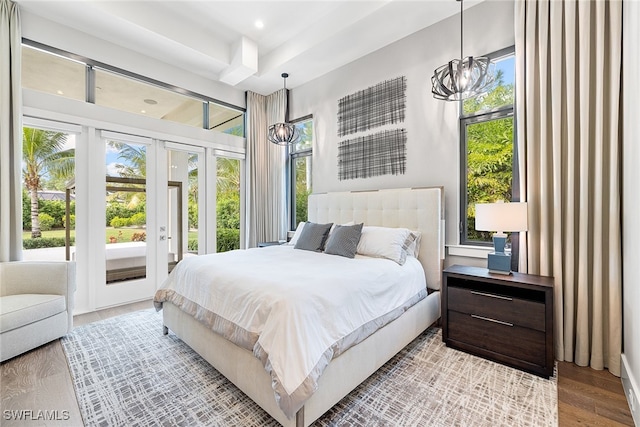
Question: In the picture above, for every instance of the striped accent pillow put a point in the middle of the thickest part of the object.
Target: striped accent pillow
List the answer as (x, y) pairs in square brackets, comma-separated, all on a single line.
[(313, 237), (343, 240)]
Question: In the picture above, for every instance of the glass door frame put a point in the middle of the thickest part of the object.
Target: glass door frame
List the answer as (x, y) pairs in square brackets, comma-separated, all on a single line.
[(116, 293)]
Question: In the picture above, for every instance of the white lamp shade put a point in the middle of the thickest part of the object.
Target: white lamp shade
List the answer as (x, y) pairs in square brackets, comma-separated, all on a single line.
[(501, 217)]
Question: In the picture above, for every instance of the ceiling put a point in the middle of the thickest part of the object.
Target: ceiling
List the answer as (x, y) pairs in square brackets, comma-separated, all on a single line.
[(220, 40)]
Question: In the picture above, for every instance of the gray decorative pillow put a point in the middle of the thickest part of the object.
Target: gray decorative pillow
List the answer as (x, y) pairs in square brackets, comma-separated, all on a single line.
[(313, 237), (344, 240)]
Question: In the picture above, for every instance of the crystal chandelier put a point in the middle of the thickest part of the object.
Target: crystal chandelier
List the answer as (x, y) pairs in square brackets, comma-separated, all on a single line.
[(284, 133), (462, 78)]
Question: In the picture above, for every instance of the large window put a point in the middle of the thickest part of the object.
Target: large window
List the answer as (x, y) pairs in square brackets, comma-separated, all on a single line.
[(48, 165), (60, 73), (488, 171), (45, 72), (300, 171)]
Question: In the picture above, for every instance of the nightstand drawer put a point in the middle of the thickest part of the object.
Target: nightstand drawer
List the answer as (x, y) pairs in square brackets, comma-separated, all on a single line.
[(484, 333), (499, 306)]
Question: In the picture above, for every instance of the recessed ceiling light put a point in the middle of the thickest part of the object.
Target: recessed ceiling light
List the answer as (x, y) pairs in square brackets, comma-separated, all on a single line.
[(60, 92), (259, 24), (143, 111), (150, 101)]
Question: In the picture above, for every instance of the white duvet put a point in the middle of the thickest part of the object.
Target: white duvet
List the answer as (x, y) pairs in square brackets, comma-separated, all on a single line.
[(294, 309)]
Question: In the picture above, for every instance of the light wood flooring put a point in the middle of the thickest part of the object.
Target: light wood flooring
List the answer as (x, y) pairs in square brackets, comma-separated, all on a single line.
[(40, 380)]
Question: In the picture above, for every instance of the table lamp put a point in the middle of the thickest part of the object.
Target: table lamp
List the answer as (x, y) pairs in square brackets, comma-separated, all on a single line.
[(500, 217)]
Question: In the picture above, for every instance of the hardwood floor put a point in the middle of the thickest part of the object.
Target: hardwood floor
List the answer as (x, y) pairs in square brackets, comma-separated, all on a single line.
[(40, 380), (587, 397)]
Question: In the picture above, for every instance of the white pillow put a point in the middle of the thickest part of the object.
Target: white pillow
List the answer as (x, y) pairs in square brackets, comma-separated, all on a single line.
[(296, 235), (385, 242)]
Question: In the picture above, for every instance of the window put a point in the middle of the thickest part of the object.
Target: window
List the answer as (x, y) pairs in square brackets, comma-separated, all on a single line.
[(487, 156), (300, 171), (126, 94), (226, 120), (61, 73), (46, 72)]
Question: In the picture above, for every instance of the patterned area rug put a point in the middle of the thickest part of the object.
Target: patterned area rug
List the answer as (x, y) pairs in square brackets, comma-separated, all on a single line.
[(126, 372)]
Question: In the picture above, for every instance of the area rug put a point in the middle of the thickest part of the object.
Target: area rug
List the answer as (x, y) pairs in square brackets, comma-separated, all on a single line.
[(126, 373)]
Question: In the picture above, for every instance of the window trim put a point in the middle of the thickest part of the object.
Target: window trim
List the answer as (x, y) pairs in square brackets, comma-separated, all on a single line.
[(484, 116), (502, 113), (292, 156)]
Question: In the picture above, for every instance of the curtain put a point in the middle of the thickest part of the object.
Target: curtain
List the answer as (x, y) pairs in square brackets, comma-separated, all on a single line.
[(266, 206), (10, 133), (568, 90)]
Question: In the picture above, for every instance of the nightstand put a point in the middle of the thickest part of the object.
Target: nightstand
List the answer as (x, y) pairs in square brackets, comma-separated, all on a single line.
[(507, 319)]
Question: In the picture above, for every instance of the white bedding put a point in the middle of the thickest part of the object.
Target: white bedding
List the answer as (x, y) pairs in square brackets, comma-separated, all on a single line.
[(294, 309)]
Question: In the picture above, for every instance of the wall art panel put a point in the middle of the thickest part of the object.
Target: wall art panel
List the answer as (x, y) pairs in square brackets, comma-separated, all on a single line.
[(375, 106), (382, 153)]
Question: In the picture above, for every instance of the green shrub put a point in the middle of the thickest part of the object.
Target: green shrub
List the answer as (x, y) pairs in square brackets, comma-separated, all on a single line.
[(44, 242), (46, 221), (26, 210), (72, 220), (139, 218), (54, 208), (193, 215), (118, 222), (228, 211), (192, 245), (117, 209), (227, 239)]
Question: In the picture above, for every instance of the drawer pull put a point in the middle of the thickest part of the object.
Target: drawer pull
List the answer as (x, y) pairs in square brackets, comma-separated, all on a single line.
[(491, 295), (491, 320)]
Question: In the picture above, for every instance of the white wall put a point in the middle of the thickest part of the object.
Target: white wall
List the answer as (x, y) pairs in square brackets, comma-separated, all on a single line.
[(68, 39), (432, 125), (631, 205)]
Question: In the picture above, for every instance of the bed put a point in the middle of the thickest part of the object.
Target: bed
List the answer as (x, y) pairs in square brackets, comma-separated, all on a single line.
[(229, 349)]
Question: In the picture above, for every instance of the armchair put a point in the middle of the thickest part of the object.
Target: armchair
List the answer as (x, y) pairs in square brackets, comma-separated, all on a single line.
[(36, 304)]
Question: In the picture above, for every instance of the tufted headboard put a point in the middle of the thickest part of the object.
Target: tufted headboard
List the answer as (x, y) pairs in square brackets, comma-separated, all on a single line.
[(413, 208)]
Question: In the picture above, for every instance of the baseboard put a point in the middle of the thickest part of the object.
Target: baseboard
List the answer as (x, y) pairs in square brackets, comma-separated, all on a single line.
[(631, 390)]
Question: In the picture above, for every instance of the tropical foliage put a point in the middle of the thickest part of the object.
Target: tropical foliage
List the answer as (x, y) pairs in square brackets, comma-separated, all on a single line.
[(302, 171), (489, 153), (228, 205), (44, 155)]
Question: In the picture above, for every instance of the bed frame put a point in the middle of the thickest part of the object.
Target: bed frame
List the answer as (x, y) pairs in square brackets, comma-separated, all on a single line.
[(417, 209)]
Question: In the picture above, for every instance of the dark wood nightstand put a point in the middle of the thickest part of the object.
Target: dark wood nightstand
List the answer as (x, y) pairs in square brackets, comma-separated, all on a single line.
[(507, 319)]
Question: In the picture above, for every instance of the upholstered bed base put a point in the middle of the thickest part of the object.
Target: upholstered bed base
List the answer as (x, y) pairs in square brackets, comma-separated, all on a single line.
[(343, 374), (417, 209)]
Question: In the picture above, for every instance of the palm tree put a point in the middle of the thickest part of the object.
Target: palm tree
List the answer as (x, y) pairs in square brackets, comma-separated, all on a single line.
[(228, 179), (135, 157), (43, 155), (134, 166)]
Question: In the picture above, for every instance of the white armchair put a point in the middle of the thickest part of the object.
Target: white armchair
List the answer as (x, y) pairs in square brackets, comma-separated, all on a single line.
[(36, 304)]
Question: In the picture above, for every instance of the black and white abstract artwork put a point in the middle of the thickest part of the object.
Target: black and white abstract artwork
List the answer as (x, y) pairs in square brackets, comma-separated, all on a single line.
[(364, 153), (382, 153), (375, 106)]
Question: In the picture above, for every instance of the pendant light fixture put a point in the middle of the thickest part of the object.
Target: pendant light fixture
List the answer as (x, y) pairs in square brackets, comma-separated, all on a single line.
[(284, 133), (462, 78)]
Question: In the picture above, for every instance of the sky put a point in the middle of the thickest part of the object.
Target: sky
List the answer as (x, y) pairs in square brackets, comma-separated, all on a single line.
[(507, 65)]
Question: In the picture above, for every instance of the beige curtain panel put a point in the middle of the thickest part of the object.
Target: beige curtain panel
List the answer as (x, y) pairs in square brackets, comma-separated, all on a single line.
[(10, 133), (568, 87), (266, 199)]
